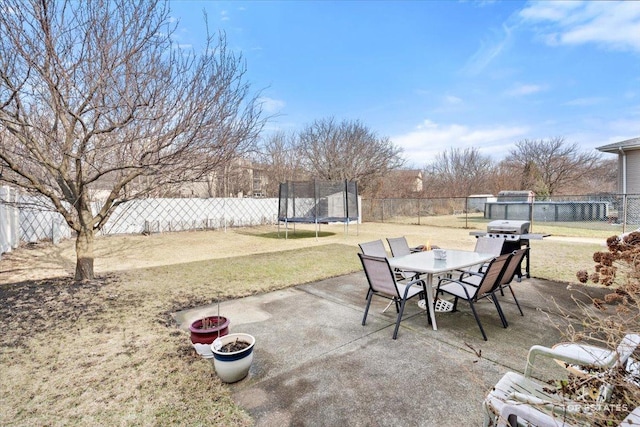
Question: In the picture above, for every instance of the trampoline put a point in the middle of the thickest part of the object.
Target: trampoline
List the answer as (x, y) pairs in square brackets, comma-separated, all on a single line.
[(317, 202)]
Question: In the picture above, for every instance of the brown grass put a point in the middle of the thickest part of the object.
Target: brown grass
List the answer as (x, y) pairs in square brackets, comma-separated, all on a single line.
[(109, 353)]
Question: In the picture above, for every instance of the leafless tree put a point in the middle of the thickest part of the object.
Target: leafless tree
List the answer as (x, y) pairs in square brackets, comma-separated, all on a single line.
[(281, 161), (96, 95), (548, 166), (459, 173), (346, 151)]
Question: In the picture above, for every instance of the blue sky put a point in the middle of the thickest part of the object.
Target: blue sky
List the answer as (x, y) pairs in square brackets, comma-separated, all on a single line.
[(437, 74)]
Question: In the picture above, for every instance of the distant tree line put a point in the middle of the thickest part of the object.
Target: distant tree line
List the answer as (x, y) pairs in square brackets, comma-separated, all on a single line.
[(548, 167), (330, 150)]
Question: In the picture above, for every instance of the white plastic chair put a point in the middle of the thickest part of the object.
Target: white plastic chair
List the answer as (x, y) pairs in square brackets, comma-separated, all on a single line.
[(584, 355), (511, 414), (518, 395)]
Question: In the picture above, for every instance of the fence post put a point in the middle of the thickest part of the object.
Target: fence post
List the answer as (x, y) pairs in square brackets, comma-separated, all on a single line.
[(531, 215), (624, 212), (466, 212), (418, 203)]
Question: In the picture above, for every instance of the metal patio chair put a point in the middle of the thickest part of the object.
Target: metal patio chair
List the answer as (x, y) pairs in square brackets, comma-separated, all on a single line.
[(471, 292), (374, 248), (471, 277), (382, 283), (400, 247)]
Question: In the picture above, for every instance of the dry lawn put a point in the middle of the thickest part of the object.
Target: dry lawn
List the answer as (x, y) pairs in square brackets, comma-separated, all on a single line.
[(109, 352)]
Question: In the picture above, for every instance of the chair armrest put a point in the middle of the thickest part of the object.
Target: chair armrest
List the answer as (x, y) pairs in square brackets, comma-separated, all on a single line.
[(527, 413), (416, 281), (458, 282), (410, 284), (539, 350), (559, 407)]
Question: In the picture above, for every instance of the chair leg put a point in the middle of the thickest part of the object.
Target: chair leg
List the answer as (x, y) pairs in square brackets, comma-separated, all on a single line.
[(516, 300), (395, 331), (366, 309), (473, 309), (503, 319)]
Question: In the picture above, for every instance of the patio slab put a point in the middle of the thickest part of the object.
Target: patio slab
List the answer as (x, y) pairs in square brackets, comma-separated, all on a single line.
[(316, 365)]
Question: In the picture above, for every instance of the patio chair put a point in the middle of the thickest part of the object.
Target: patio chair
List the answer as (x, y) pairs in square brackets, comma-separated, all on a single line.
[(472, 293), (507, 276), (519, 396), (373, 248), (400, 247), (488, 245), (485, 245), (510, 272), (382, 283), (532, 415), (578, 356), (376, 248)]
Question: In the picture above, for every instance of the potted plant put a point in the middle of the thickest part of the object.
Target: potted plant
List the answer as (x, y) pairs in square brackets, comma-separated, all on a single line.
[(207, 329), (232, 356)]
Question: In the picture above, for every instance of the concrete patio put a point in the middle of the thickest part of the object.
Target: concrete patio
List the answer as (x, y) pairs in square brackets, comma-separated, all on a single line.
[(316, 365)]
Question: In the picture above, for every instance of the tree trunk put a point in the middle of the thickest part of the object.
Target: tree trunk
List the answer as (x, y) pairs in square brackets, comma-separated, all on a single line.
[(84, 254)]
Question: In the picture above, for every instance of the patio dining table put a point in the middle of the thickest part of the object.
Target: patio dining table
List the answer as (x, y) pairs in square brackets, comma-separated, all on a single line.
[(425, 263)]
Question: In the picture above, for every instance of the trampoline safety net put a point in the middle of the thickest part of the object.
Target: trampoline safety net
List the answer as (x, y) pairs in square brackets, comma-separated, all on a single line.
[(318, 201)]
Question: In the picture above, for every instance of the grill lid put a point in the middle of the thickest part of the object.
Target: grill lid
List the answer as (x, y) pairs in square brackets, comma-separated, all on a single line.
[(508, 227)]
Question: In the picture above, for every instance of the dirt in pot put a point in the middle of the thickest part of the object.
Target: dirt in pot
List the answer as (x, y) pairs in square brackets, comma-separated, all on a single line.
[(236, 345)]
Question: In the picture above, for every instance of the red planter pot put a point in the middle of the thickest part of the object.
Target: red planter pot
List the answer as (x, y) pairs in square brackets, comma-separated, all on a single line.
[(207, 336)]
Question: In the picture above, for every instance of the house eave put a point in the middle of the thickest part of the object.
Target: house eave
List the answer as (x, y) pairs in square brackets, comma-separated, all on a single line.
[(629, 144)]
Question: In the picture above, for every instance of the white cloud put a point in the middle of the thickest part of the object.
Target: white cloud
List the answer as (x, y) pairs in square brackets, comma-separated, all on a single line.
[(612, 24), (452, 100), (525, 89), (429, 138), (270, 105), (551, 11), (488, 51), (224, 15), (584, 102)]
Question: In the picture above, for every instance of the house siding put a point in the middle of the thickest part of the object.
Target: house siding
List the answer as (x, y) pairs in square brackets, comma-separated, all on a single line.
[(633, 172)]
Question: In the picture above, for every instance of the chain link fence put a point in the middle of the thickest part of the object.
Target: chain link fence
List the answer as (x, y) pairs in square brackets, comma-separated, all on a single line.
[(566, 215), (31, 219), (162, 215)]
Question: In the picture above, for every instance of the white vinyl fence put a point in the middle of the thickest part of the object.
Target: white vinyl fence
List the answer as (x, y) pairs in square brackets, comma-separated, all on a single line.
[(27, 218), (9, 220)]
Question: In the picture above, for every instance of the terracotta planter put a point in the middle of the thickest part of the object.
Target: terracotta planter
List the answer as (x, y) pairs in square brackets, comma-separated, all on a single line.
[(233, 366), (206, 336)]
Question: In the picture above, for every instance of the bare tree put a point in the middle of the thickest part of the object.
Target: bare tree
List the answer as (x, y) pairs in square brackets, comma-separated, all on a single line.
[(548, 166), (459, 173), (347, 151), (95, 94), (281, 161)]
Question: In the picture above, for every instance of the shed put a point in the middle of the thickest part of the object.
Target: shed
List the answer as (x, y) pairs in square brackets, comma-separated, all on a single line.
[(476, 202)]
